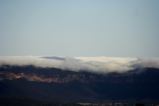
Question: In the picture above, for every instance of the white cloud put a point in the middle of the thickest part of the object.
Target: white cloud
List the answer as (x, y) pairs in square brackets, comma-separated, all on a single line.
[(95, 64)]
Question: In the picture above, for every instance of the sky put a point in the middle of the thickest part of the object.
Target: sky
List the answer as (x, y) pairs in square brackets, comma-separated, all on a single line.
[(116, 28)]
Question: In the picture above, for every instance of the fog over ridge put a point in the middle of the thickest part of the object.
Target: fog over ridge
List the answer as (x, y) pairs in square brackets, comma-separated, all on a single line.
[(95, 64)]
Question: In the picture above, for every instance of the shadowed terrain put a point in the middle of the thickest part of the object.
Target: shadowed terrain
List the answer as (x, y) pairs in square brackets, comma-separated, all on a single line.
[(64, 86)]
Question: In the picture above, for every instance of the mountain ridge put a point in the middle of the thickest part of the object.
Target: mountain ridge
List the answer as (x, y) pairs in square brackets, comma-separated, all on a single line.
[(138, 84)]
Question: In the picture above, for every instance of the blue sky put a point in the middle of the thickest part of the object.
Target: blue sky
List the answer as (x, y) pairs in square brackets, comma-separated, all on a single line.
[(122, 28)]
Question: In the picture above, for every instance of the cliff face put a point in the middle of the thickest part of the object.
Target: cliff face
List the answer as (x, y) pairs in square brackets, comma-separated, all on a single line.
[(52, 84)]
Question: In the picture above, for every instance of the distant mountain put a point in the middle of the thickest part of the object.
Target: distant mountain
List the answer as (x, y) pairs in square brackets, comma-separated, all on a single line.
[(54, 58), (57, 85)]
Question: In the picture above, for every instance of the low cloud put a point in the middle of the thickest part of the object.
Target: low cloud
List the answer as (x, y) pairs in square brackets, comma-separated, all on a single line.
[(94, 64)]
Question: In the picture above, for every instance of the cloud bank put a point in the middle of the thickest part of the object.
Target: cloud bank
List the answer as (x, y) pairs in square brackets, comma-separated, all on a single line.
[(94, 64)]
